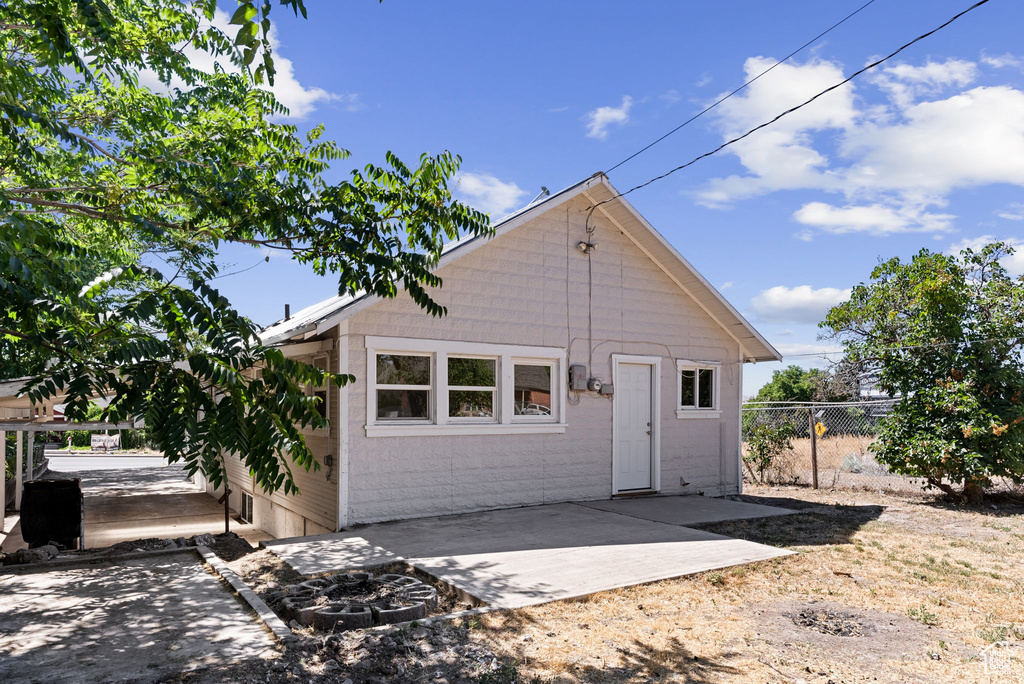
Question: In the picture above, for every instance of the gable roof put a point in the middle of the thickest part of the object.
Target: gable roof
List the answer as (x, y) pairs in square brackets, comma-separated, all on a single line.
[(321, 317)]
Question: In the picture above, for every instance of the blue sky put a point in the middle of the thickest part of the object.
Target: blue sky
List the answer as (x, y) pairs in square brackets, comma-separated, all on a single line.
[(926, 151)]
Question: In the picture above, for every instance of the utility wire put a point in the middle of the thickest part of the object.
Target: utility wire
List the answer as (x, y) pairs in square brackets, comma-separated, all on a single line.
[(225, 275), (726, 97), (790, 110), (930, 345)]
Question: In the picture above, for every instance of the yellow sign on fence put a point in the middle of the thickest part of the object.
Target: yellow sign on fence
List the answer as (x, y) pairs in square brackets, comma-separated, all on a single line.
[(820, 429)]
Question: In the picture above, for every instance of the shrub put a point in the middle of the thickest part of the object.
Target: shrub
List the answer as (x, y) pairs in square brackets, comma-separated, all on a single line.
[(764, 446)]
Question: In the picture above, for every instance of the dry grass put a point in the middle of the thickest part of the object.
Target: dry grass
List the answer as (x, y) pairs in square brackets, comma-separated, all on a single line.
[(936, 584)]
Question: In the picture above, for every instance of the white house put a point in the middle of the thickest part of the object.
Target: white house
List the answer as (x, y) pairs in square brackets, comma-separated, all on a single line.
[(487, 407)]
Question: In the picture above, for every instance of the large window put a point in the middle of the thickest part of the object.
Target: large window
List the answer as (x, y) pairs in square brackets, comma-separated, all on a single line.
[(435, 387), (697, 388)]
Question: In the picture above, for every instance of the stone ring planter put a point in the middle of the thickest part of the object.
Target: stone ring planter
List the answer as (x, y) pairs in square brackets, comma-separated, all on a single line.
[(350, 603)]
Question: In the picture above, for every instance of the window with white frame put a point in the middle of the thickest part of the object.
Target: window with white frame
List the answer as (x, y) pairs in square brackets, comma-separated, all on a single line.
[(697, 386), (403, 387), (472, 389), (320, 392), (245, 514), (439, 387), (532, 391)]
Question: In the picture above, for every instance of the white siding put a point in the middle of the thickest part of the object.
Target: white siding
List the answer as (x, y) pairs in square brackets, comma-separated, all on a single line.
[(530, 287), (315, 509)]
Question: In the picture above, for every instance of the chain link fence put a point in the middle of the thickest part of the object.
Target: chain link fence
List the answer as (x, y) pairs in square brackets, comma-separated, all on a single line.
[(830, 447)]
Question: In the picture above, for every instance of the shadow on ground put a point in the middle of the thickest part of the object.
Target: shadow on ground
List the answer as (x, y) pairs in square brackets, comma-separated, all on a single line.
[(136, 620), (816, 525)]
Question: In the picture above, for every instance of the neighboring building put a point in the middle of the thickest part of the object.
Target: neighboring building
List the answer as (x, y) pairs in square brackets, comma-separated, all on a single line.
[(474, 410)]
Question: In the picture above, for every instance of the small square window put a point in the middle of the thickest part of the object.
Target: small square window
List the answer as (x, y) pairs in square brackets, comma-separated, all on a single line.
[(698, 386)]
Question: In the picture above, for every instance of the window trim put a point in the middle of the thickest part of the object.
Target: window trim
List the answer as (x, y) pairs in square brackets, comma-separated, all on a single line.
[(495, 390), (506, 356), (715, 411), (526, 419), (242, 507), (431, 389)]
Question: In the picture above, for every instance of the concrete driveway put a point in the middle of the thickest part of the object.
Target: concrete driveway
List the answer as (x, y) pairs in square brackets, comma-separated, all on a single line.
[(129, 498), (526, 556), (137, 620)]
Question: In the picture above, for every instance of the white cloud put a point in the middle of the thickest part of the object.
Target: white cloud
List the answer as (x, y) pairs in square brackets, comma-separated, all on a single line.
[(904, 82), (671, 96), (300, 100), (705, 79), (1014, 263), (488, 194), (894, 163), (556, 110), (809, 355), (726, 285), (874, 219), (601, 118), (1003, 61), (1014, 211), (801, 304)]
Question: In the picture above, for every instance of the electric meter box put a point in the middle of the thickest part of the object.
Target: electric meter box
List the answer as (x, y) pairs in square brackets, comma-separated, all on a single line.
[(578, 377)]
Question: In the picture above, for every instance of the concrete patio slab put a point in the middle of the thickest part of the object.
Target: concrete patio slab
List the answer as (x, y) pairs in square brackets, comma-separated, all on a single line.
[(687, 510), (138, 620), (526, 556)]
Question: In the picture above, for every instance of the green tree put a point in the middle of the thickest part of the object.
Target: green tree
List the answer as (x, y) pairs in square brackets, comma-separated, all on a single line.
[(793, 383), (100, 177), (945, 334)]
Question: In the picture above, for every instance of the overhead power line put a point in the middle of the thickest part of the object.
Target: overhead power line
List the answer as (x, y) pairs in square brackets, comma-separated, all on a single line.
[(846, 80), (726, 97)]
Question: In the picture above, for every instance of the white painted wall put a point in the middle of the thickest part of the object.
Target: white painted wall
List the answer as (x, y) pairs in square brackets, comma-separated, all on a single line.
[(530, 287)]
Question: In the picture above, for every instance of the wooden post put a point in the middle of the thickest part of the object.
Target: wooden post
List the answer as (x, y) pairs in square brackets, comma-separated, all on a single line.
[(3, 478), (814, 451), (19, 476), (31, 455)]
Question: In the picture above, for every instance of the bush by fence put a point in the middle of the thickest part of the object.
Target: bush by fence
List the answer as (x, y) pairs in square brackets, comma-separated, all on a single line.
[(829, 444)]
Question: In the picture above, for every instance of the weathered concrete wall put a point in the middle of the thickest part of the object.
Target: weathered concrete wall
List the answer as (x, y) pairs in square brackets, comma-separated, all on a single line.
[(530, 287)]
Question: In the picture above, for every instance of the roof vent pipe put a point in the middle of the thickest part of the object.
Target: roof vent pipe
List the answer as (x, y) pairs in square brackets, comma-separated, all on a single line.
[(287, 311)]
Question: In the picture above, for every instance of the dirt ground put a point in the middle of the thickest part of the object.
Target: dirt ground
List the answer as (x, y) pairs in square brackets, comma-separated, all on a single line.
[(884, 588)]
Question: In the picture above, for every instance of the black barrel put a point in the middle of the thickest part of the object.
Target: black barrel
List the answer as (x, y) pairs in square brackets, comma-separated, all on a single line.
[(52, 511)]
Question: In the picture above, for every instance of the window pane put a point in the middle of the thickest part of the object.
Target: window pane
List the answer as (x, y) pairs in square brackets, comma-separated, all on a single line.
[(321, 404), (706, 388), (470, 372), (470, 404), (394, 369), (403, 404), (686, 398), (532, 390)]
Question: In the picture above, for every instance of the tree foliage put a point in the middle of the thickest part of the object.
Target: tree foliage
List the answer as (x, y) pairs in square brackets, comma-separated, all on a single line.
[(945, 335), (793, 383), (114, 199), (765, 444)]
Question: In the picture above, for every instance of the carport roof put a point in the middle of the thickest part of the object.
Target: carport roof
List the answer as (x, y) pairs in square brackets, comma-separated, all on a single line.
[(321, 317)]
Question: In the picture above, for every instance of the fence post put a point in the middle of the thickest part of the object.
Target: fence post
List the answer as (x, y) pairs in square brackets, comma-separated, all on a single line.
[(814, 449)]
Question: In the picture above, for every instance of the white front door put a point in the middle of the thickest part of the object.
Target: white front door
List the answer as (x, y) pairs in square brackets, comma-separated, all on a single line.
[(634, 426)]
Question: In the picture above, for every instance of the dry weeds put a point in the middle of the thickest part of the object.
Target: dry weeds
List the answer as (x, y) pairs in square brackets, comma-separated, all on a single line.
[(934, 584)]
